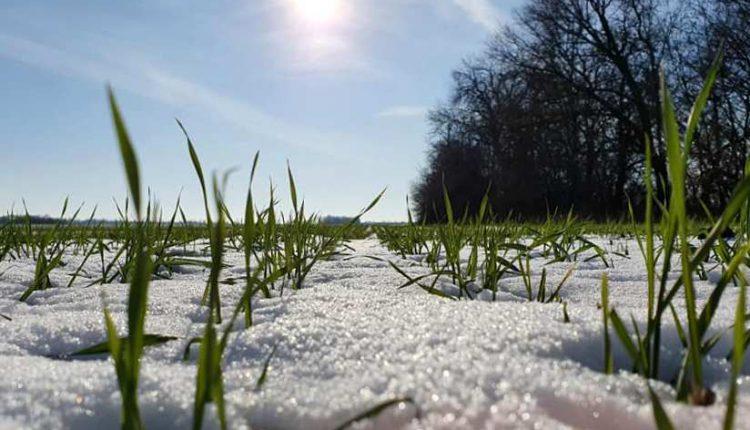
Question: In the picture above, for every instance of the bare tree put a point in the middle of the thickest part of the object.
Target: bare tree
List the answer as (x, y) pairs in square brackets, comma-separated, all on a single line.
[(556, 113)]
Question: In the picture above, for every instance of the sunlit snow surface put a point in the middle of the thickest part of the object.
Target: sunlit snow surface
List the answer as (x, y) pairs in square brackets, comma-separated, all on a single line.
[(346, 342)]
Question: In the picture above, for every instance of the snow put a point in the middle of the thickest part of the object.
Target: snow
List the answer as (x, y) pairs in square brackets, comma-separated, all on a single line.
[(347, 341)]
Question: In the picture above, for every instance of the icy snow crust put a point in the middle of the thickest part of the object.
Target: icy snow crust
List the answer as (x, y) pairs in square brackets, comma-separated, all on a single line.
[(346, 342)]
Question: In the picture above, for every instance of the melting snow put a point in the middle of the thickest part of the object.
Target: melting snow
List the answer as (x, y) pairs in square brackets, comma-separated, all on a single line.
[(346, 342)]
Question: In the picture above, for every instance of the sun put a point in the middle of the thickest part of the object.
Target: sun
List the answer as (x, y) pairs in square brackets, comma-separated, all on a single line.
[(318, 11)]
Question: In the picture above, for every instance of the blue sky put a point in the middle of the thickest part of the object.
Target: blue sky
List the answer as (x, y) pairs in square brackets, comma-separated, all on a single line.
[(337, 87)]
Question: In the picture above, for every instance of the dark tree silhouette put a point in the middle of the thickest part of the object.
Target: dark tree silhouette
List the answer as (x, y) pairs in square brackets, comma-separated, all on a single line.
[(556, 113)]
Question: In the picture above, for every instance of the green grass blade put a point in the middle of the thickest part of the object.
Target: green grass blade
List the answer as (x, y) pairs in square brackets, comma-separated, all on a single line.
[(622, 333), (556, 293), (700, 103), (105, 347), (660, 415), (113, 340), (376, 410), (609, 364), (204, 377), (137, 307), (738, 355), (292, 188), (198, 170), (448, 206), (712, 304), (677, 163), (264, 373), (127, 152)]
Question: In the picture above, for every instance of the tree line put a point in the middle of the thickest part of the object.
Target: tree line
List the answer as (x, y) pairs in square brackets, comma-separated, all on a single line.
[(555, 114)]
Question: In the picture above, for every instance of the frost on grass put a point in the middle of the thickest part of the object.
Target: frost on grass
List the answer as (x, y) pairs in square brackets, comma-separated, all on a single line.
[(346, 342)]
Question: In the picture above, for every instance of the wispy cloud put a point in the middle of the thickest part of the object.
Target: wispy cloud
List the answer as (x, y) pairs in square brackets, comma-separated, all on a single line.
[(135, 74), (483, 12), (403, 112)]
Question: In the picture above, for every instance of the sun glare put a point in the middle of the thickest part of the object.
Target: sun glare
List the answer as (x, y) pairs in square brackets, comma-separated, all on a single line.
[(318, 11)]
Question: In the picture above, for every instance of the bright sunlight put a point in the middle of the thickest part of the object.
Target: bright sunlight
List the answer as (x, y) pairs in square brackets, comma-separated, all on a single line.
[(318, 11)]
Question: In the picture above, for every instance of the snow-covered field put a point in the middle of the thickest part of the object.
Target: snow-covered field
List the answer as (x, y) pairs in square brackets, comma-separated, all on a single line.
[(346, 342)]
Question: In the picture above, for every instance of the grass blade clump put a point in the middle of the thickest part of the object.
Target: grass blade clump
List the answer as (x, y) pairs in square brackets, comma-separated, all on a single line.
[(48, 248), (674, 232)]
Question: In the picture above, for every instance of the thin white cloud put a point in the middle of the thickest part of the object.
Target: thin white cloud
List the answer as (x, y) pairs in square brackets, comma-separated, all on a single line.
[(482, 12), (403, 112), (138, 76)]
